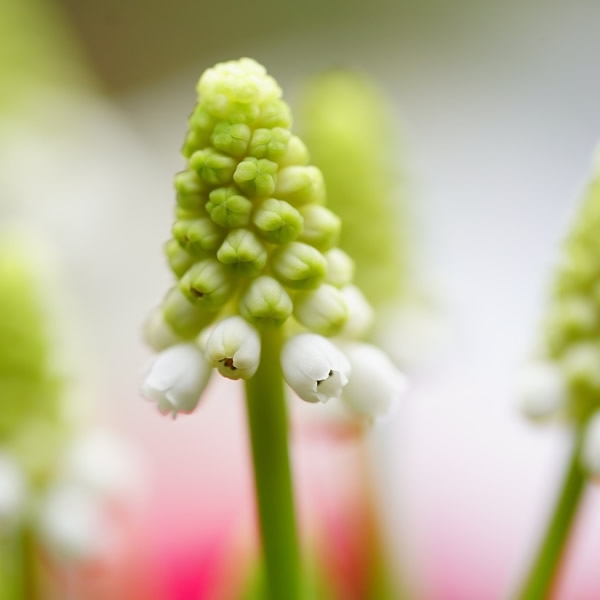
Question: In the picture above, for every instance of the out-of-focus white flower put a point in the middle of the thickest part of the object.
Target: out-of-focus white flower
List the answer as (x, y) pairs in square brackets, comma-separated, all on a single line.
[(541, 389), (105, 463), (74, 523), (314, 368), (360, 313), (234, 348), (13, 491), (176, 378), (590, 452), (376, 385), (158, 333)]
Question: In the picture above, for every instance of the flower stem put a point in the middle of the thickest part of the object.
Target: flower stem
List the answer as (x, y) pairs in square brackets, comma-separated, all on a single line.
[(268, 422), (545, 567)]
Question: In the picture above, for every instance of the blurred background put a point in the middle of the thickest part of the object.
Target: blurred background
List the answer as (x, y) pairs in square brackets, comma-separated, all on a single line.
[(496, 110)]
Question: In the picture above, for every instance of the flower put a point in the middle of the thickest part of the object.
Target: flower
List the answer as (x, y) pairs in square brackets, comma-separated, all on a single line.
[(176, 379), (234, 348), (590, 451), (314, 368), (376, 385), (12, 492), (541, 389)]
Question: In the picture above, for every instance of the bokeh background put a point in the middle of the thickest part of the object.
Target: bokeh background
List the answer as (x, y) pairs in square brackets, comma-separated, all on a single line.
[(496, 110)]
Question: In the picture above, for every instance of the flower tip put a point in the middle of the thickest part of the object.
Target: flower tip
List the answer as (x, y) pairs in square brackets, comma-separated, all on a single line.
[(314, 368), (176, 379), (541, 390)]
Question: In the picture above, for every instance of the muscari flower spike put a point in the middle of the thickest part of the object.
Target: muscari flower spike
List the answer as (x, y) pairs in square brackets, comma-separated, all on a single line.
[(255, 246), (565, 380)]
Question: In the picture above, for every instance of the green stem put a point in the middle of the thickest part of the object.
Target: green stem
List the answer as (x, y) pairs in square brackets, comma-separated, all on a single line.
[(268, 422), (545, 567), (17, 566)]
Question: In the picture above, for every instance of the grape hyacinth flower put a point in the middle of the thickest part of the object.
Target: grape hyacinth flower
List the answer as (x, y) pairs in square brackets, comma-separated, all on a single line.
[(260, 287), (564, 381)]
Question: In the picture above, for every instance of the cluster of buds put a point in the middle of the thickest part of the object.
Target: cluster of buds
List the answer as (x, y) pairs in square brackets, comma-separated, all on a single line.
[(565, 381), (254, 246)]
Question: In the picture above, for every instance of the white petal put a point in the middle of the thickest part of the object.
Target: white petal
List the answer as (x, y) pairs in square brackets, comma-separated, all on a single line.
[(541, 390), (12, 492), (590, 452), (360, 313), (106, 463), (314, 368), (73, 523), (376, 385), (176, 378), (234, 348), (158, 333)]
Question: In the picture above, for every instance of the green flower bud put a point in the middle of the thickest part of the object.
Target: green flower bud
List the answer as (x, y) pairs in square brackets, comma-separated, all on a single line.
[(266, 302), (274, 114), (213, 168), (201, 126), (299, 265), (228, 209), (340, 268), (322, 310), (191, 191), (184, 318), (277, 221), (269, 143), (207, 283), (295, 154), (243, 252), (301, 185), (231, 138), (179, 260), (256, 176), (244, 81), (197, 236), (321, 226), (581, 363)]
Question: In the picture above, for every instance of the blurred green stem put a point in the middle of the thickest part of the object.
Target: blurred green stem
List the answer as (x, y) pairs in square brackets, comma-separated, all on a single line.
[(17, 566), (268, 422), (547, 562)]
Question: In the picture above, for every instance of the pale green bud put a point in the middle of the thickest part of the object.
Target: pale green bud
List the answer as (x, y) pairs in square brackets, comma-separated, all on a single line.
[(269, 143), (207, 283), (298, 265), (243, 252), (321, 226), (581, 364), (275, 113), (295, 154), (244, 81), (231, 138), (213, 168), (179, 260), (191, 191), (201, 127), (301, 185), (277, 221), (198, 236), (322, 310), (228, 209), (184, 318), (157, 331), (256, 176), (266, 302), (340, 268)]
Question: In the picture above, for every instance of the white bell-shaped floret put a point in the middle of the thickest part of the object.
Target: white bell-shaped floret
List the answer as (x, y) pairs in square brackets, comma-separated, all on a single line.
[(590, 452), (13, 491), (234, 348), (176, 379), (541, 389), (314, 368), (376, 385)]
